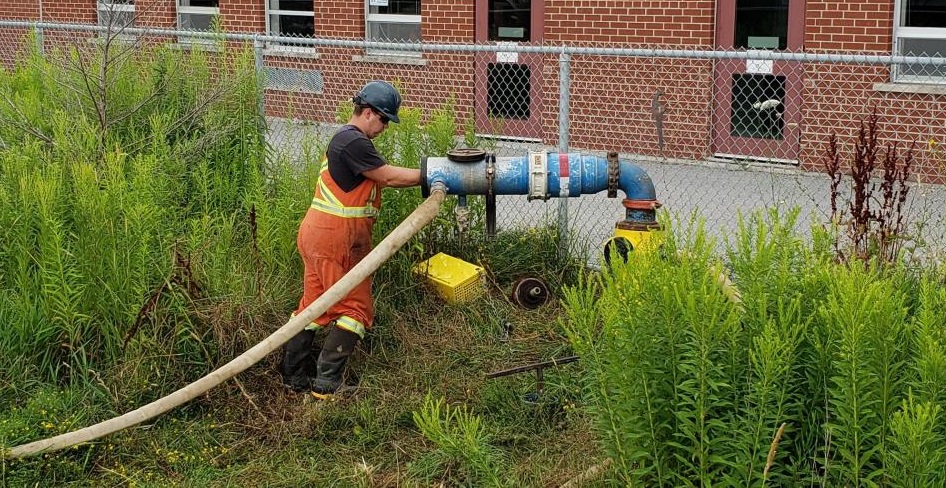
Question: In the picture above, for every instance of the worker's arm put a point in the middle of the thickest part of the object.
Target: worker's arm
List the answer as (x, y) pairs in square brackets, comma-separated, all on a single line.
[(394, 176)]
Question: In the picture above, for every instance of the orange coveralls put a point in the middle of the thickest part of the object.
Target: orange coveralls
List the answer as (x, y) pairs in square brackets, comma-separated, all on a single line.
[(334, 236)]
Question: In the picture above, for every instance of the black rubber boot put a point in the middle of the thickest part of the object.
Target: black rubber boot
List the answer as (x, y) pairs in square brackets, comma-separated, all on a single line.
[(298, 364), (338, 346)]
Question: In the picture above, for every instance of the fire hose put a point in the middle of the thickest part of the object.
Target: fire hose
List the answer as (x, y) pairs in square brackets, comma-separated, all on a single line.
[(414, 222)]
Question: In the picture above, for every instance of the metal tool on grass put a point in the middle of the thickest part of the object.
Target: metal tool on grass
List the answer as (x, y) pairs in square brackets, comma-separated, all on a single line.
[(536, 396)]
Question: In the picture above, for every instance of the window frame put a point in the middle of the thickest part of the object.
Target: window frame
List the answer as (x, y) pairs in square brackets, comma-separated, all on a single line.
[(270, 12), (374, 19), (102, 6), (901, 33), (190, 10)]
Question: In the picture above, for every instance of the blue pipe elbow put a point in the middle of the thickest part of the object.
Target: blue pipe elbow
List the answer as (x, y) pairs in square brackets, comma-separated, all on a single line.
[(635, 182), (545, 175)]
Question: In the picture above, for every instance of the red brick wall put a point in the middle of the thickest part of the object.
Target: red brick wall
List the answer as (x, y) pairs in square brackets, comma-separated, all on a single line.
[(344, 72), (446, 21), (855, 25), (20, 9), (11, 40), (611, 105), (243, 15), (343, 76), (668, 23), (836, 97), (71, 11), (156, 13), (341, 19), (610, 97)]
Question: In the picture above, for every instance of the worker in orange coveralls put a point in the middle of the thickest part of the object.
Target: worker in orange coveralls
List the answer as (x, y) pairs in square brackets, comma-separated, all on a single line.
[(336, 234)]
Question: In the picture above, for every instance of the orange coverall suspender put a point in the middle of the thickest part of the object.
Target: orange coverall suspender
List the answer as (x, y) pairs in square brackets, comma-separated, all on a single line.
[(334, 236)]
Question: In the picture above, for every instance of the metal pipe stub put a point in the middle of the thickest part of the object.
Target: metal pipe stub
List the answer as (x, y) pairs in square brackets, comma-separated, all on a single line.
[(614, 173)]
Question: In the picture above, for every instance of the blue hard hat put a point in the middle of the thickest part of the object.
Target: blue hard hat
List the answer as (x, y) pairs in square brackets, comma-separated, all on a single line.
[(381, 96)]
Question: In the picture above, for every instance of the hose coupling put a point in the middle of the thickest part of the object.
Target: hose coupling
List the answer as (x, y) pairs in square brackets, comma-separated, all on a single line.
[(438, 185)]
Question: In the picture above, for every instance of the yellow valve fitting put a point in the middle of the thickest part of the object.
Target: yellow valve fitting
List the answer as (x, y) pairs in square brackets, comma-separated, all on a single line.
[(626, 240)]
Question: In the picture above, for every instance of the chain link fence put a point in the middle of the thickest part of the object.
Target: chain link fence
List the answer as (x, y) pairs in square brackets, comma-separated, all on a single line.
[(721, 133)]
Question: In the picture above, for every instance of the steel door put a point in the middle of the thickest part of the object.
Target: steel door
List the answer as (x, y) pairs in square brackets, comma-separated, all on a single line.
[(757, 104), (508, 89)]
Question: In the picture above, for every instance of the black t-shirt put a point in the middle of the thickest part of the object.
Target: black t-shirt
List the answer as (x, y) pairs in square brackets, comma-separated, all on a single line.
[(351, 153)]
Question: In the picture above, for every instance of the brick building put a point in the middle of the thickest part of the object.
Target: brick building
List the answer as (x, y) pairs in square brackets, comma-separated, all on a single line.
[(711, 107)]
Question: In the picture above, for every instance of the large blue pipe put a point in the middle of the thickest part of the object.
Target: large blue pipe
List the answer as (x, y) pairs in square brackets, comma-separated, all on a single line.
[(545, 175)]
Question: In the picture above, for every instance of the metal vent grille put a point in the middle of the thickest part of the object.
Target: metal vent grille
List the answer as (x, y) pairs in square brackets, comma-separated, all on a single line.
[(294, 80)]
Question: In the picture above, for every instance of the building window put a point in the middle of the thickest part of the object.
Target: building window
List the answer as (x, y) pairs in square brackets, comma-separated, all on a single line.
[(761, 24), (393, 21), (117, 15), (290, 18), (197, 15), (510, 20), (920, 30)]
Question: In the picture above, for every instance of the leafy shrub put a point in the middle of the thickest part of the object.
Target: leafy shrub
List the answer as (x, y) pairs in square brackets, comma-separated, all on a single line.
[(822, 373)]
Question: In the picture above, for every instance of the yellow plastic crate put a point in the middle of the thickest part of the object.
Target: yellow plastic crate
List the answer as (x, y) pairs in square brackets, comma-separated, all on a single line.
[(454, 279)]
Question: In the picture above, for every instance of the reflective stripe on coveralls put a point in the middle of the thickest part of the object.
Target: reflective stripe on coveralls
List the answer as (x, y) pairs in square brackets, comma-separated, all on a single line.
[(330, 204), (351, 325), (355, 312), (343, 322)]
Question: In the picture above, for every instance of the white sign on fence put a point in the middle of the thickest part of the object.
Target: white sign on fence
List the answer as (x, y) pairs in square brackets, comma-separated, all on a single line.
[(507, 56), (759, 66)]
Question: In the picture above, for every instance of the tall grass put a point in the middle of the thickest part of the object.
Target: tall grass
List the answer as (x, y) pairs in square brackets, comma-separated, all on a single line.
[(688, 388), (127, 184)]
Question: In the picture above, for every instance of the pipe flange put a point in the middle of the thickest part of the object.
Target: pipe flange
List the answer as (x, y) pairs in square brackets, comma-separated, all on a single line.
[(614, 174), (490, 195), (466, 155), (490, 172), (530, 293)]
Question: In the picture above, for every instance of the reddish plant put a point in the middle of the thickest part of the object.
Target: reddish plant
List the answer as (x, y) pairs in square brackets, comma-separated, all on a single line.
[(873, 219)]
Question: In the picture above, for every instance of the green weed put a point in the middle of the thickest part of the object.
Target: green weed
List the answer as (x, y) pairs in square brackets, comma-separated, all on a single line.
[(461, 439)]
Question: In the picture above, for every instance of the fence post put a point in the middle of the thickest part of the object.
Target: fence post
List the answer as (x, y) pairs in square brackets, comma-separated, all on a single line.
[(40, 47), (260, 75), (564, 86)]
